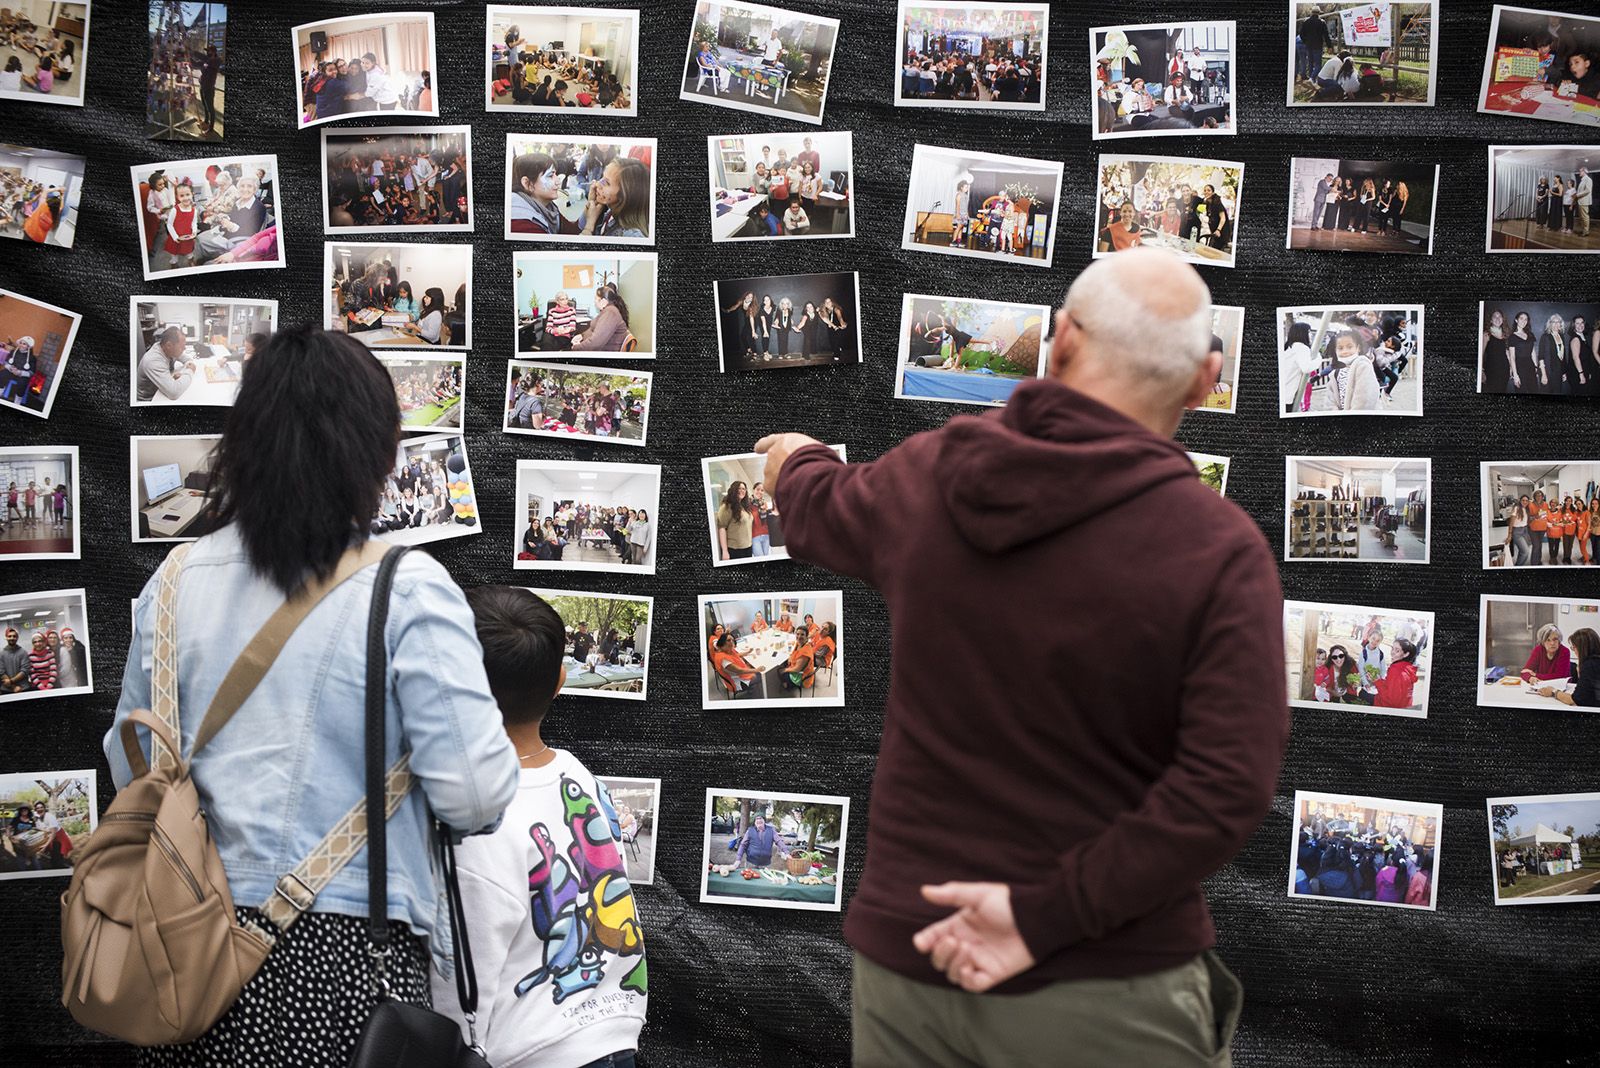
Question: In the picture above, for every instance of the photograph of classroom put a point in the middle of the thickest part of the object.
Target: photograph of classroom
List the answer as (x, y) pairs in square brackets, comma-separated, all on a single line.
[(1362, 53), (429, 495), (608, 642), (1365, 850), (1371, 659), (49, 816), (636, 802), (599, 403), (1350, 361), (1542, 64), (1158, 80), (1531, 650), (40, 485), (35, 342), (585, 190), (758, 58), (189, 351), (393, 296), (797, 320), (561, 57), (397, 178), (365, 65), (781, 185), (429, 389), (579, 303), (208, 213), (171, 477), (989, 56), (1187, 206), (1528, 347), (742, 517), (42, 51), (968, 351), (1537, 846), (586, 516), (39, 194), (972, 203), (773, 851), (772, 650), (1361, 205), (1541, 198), (44, 645), (1541, 514), (187, 89), (1357, 508)]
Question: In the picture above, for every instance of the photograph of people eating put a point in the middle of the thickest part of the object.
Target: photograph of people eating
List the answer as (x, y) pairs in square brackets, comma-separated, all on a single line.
[(429, 389), (781, 185), (777, 852), (563, 57), (607, 642), (208, 214), (599, 189), (1538, 652), (1164, 79), (1372, 659), (1541, 514), (397, 178), (772, 650), (395, 296), (987, 56), (1185, 205)]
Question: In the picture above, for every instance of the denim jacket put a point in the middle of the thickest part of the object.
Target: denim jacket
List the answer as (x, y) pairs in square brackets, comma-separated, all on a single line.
[(289, 763)]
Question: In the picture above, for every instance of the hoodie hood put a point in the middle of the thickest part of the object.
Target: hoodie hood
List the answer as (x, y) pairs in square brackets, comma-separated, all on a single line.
[(1047, 461)]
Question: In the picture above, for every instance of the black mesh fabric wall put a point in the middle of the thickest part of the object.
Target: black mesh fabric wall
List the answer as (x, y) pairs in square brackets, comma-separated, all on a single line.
[(1325, 985)]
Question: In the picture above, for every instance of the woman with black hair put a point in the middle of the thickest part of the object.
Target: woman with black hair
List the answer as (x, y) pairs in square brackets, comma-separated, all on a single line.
[(837, 331), (609, 330), (743, 326), (1297, 366), (535, 185), (1395, 688), (1586, 692), (430, 317), (1522, 344), (1338, 678)]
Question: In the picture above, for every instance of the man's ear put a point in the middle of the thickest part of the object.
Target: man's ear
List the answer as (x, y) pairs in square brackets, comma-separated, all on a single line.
[(1204, 379)]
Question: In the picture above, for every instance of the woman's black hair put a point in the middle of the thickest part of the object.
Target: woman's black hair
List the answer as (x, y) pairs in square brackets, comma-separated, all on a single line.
[(15, 63), (1299, 331), (529, 165), (1408, 651), (433, 301), (310, 401), (404, 289), (735, 504), (614, 299)]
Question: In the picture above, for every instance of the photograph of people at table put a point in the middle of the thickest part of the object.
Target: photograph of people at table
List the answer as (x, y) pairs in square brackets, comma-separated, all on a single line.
[(361, 66), (986, 56), (1376, 660), (1538, 652), (608, 642), (783, 851), (429, 495), (741, 515), (993, 207), (637, 803), (1213, 471), (1542, 64), (46, 818), (562, 57), (192, 350), (1541, 513), (1362, 54), (763, 59), (593, 189), (1363, 508), (1527, 347), (1163, 80), (430, 390), (968, 351), (44, 645), (585, 515), (396, 178), (783, 321), (202, 215), (1187, 206), (575, 303), (772, 650), (39, 194), (44, 49), (390, 296), (1537, 847), (1541, 198), (1350, 361), (567, 400), (1358, 205), (39, 497), (186, 92), (1365, 850), (35, 341), (781, 185)]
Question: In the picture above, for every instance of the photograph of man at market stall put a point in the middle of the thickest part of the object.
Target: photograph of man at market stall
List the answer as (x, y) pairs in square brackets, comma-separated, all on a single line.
[(1537, 846), (772, 650), (1365, 850), (780, 852)]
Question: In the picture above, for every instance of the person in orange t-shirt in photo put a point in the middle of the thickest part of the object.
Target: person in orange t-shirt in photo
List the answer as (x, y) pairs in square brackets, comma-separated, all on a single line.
[(826, 645), (1569, 528), (1585, 520), (1538, 525), (759, 625), (737, 673), (800, 672), (785, 624), (714, 639), (1552, 532), (811, 629)]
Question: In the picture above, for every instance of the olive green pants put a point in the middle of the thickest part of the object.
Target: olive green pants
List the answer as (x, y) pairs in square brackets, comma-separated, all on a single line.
[(1180, 1018)]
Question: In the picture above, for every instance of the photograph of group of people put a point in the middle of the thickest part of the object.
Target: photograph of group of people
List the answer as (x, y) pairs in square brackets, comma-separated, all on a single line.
[(573, 303), (1359, 205), (170, 477), (772, 650), (797, 320), (39, 194), (1343, 53), (1539, 347), (1540, 199), (1213, 471), (608, 642), (396, 178), (1350, 361), (742, 517), (1165, 79), (35, 341), (1367, 508), (575, 401), (637, 803), (1188, 206), (1365, 850), (202, 215), (44, 51), (46, 818), (577, 515), (599, 189), (40, 488), (44, 645), (562, 57), (968, 351), (781, 185), (431, 390), (397, 296), (1538, 652), (980, 55), (1543, 513), (1542, 64), (1370, 659), (1537, 848), (429, 495), (980, 204), (763, 59), (191, 350), (353, 67), (774, 851), (187, 89)]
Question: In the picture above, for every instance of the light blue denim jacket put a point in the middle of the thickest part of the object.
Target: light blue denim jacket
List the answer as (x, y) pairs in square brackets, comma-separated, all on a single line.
[(289, 763)]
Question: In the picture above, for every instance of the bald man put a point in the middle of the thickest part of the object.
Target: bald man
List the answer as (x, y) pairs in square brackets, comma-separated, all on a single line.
[(162, 369), (1124, 747)]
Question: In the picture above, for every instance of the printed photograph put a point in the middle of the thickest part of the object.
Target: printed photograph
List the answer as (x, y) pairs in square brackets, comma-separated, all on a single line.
[(45, 650), (1542, 513), (1356, 54), (772, 650), (576, 401), (608, 642), (192, 350), (361, 66), (1164, 79), (1373, 660), (584, 515), (1527, 346), (1227, 337), (1537, 846), (741, 515), (396, 179), (202, 215), (1542, 65), (39, 194), (594, 189), (1533, 652), (44, 51), (46, 818), (782, 852), (1213, 471), (1188, 206), (431, 390), (429, 496), (186, 91), (170, 476), (399, 296), (636, 803), (1365, 850), (968, 351), (978, 204), (573, 303), (1357, 205), (1540, 197), (35, 341), (40, 483), (1372, 509), (986, 56), (1350, 361), (797, 320), (562, 57), (781, 185), (762, 59)]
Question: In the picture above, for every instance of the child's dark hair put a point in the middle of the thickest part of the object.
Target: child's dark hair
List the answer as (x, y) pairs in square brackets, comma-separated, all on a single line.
[(523, 641)]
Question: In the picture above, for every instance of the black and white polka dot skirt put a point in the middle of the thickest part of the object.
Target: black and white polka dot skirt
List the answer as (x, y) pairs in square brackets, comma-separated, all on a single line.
[(306, 1006)]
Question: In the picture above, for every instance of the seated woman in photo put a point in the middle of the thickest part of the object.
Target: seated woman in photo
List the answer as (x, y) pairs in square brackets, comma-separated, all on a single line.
[(609, 330), (405, 302), (430, 317), (560, 324), (1586, 694), (1549, 660), (735, 672)]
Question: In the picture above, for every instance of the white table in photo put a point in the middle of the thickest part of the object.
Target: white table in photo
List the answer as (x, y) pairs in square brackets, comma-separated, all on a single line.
[(175, 513), (739, 211), (582, 677), (216, 378), (752, 68), (767, 652), (1522, 695)]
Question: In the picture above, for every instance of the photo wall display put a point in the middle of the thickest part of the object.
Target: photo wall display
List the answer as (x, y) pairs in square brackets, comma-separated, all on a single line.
[(781, 185), (600, 405), (429, 496), (772, 650), (400, 295), (1213, 471), (982, 205), (584, 190), (969, 351), (1539, 66), (395, 179), (186, 97), (1543, 513), (771, 851), (35, 342), (200, 216), (768, 60), (40, 190), (431, 389), (1373, 660), (1357, 205), (1540, 199), (742, 517), (1530, 649), (575, 515), (50, 46), (1348, 509)]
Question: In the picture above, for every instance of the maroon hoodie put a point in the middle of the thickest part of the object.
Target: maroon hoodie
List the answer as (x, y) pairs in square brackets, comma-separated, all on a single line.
[(1087, 696)]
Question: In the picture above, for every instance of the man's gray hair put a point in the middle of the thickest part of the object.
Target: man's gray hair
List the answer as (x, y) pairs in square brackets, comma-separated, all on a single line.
[(1143, 319)]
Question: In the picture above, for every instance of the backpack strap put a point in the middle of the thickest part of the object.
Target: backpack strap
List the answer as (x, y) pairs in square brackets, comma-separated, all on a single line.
[(164, 658)]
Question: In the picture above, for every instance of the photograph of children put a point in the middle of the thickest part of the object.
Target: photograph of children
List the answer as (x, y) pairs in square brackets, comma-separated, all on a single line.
[(352, 67), (44, 51), (978, 204), (1213, 471), (430, 389), (774, 851), (396, 178), (795, 320), (44, 645), (1538, 652), (192, 350), (584, 515), (562, 57), (1542, 65), (399, 296), (569, 400), (35, 341), (741, 514), (1227, 337), (762, 59), (636, 803), (1540, 197), (1542, 513), (1161, 80), (1357, 205), (772, 650), (1188, 206), (39, 193), (187, 85), (968, 351), (40, 484), (429, 496), (46, 817), (1539, 347), (608, 642), (1372, 509), (571, 303), (202, 215), (1537, 846), (597, 189), (1362, 54), (781, 185), (1372, 660), (985, 56), (1350, 361), (1365, 850), (169, 477)]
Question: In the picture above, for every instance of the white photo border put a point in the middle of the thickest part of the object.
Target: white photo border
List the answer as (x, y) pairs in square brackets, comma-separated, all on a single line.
[(904, 347), (379, 18), (908, 223), (1420, 808), (61, 364), (82, 596), (1421, 313), (513, 365), (1198, 131), (837, 905), (518, 521), (547, 592), (75, 473), (708, 704), (1289, 462), (278, 214), (685, 93), (1433, 69), (1386, 613), (456, 345), (711, 509), (1043, 10), (465, 130), (575, 139)]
